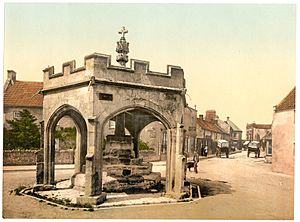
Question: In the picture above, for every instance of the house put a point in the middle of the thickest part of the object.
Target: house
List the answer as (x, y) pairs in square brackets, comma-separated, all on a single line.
[(190, 121), (225, 127), (256, 131), (235, 135), (20, 95), (283, 135), (208, 132), (155, 134)]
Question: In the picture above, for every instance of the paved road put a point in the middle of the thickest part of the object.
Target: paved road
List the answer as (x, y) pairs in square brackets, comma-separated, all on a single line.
[(257, 193)]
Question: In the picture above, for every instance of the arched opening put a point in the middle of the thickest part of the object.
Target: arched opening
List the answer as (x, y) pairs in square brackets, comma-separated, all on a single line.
[(153, 142), (69, 117), (121, 141)]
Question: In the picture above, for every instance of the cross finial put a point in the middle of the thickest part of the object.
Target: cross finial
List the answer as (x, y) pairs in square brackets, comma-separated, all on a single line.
[(123, 31)]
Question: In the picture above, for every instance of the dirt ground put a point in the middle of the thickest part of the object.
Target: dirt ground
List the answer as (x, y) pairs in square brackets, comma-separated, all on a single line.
[(253, 191)]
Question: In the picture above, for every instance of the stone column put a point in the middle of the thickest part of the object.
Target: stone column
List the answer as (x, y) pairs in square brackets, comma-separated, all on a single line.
[(93, 171), (169, 162), (180, 162), (52, 157), (120, 125), (46, 158), (175, 172), (77, 156), (40, 157), (136, 137)]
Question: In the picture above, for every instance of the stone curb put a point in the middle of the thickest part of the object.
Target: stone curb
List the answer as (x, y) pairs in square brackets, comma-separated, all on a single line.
[(99, 207)]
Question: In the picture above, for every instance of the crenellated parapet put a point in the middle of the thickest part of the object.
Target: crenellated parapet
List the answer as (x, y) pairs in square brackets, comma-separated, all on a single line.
[(98, 67)]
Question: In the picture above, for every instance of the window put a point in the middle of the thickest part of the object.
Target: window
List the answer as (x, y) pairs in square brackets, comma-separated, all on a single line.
[(16, 115)]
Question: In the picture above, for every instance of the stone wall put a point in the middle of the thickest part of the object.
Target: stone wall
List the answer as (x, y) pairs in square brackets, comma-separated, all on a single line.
[(283, 142), (28, 157), (149, 156)]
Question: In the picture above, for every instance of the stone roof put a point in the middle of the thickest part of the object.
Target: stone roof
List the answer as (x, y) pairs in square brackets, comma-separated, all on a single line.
[(206, 125), (24, 94), (233, 126), (288, 102)]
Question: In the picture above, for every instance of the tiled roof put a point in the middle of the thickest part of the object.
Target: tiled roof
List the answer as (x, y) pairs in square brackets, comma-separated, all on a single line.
[(23, 93), (288, 102), (209, 126), (233, 126)]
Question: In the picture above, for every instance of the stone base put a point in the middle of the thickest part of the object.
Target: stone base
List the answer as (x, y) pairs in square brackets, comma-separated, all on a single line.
[(126, 170), (177, 196), (78, 181), (93, 200), (133, 183), (43, 187)]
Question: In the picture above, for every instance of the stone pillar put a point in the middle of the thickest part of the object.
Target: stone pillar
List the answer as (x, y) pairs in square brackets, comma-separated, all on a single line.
[(120, 125), (175, 172), (169, 162), (136, 137), (77, 164), (52, 157), (46, 158), (93, 171), (180, 162), (39, 166)]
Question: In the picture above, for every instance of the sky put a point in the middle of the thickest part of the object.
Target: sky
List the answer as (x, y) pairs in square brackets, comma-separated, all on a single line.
[(239, 60)]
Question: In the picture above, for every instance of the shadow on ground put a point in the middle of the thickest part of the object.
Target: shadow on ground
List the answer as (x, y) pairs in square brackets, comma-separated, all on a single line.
[(211, 188)]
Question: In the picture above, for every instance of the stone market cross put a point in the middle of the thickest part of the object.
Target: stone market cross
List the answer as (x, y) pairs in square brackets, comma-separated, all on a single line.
[(100, 92)]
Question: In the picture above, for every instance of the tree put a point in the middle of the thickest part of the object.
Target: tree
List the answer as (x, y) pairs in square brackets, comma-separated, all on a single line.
[(66, 136), (23, 132)]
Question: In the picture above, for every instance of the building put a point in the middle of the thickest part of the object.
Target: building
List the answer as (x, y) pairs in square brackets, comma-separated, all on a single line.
[(257, 131), (20, 95), (155, 134), (190, 117), (283, 135), (225, 127), (235, 135), (208, 132)]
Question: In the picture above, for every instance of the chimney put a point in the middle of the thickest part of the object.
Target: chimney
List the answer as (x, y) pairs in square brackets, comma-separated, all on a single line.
[(210, 116), (201, 117), (12, 76), (227, 118)]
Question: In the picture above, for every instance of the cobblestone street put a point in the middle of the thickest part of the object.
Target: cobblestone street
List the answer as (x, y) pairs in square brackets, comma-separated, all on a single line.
[(256, 193)]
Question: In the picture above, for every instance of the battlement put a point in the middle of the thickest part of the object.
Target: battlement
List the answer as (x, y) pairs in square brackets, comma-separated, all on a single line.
[(99, 66)]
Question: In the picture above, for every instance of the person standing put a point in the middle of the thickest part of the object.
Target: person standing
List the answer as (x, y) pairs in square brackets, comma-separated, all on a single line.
[(196, 160), (205, 150)]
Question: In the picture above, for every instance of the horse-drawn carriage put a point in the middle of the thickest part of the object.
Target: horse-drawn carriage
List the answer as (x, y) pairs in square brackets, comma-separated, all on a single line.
[(222, 147), (254, 147)]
